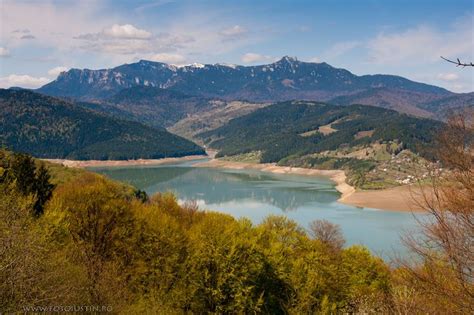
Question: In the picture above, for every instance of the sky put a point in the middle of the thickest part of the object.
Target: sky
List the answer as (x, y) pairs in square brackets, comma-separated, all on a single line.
[(41, 38)]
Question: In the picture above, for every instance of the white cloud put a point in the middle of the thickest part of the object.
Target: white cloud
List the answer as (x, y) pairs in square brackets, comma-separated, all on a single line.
[(63, 22), (21, 31), (422, 44), (22, 80), (233, 32), (126, 31), (4, 52), (81, 27), (116, 31), (340, 49), (208, 41), (411, 44), (253, 57), (129, 40), (28, 36), (460, 88), (152, 5), (57, 70), (448, 76), (336, 50), (175, 59)]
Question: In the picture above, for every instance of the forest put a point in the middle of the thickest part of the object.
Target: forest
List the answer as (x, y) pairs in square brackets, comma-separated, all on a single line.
[(289, 129), (49, 127)]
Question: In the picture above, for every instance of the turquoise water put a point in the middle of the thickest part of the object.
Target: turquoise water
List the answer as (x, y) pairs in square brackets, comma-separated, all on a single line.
[(255, 195)]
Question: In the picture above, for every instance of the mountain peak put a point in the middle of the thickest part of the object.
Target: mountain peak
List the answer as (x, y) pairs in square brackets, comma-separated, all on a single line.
[(196, 65), (287, 59), (146, 62), (152, 65)]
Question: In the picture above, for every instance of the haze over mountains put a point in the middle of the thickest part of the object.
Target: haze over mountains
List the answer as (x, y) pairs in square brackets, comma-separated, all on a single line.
[(286, 79)]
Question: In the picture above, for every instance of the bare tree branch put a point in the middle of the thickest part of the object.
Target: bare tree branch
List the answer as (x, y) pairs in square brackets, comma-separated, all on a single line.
[(458, 62), (444, 281)]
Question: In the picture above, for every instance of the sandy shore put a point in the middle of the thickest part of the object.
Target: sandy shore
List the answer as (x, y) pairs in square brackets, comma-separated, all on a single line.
[(396, 199), (402, 198), (143, 162)]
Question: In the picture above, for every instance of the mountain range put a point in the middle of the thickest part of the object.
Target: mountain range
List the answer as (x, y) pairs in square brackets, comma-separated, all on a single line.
[(286, 79)]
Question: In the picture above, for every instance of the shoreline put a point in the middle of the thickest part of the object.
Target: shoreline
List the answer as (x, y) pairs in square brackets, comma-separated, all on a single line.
[(337, 176), (400, 199), (112, 163)]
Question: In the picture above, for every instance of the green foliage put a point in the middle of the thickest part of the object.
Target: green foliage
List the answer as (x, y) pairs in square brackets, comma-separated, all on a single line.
[(43, 189), (96, 223), (277, 130), (32, 269), (48, 127), (115, 247), (141, 195), (21, 171)]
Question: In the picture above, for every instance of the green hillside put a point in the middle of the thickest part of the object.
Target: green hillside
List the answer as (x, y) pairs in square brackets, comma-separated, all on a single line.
[(48, 127), (299, 128), (152, 106)]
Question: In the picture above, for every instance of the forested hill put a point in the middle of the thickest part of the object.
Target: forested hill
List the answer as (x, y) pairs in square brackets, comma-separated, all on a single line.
[(48, 127), (299, 128), (152, 106)]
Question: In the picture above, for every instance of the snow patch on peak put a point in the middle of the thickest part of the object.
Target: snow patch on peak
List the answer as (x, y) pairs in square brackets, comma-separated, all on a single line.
[(196, 65), (289, 59), (190, 65), (228, 65), (172, 67)]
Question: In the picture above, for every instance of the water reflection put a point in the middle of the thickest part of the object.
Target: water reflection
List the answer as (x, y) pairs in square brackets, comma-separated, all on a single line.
[(214, 186)]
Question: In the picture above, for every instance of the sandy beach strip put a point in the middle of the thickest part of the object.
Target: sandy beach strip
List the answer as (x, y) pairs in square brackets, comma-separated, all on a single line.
[(138, 162), (403, 198)]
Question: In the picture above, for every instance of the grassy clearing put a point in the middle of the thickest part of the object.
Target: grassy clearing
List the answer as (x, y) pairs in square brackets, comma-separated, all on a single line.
[(251, 157), (363, 134), (326, 129)]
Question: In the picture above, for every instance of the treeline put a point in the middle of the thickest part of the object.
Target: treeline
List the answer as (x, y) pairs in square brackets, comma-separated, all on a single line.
[(99, 242), (278, 130)]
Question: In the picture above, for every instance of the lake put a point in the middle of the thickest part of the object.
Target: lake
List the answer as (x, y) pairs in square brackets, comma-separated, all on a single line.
[(255, 195)]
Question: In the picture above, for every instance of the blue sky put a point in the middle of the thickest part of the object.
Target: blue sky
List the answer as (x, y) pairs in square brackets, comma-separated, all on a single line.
[(41, 38)]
